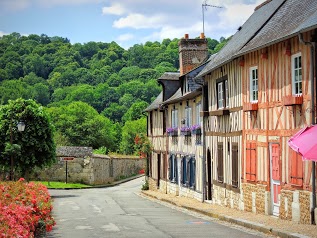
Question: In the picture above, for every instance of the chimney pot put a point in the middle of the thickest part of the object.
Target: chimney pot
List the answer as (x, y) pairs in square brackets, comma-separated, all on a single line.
[(186, 36), (202, 35)]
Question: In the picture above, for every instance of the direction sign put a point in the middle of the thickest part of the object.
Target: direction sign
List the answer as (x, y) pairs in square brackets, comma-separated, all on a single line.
[(67, 158)]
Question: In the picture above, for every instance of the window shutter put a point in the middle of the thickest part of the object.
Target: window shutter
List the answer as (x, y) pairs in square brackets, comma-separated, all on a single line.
[(170, 168), (235, 166), (296, 168), (175, 170), (275, 162), (251, 161), (220, 162)]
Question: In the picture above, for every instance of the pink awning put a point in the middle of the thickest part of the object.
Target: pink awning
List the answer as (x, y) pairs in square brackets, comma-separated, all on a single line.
[(305, 142)]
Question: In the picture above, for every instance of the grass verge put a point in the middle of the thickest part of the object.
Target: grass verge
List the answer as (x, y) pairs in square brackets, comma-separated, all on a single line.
[(63, 185)]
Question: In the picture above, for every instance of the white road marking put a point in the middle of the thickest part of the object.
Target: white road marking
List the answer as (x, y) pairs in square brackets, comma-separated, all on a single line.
[(83, 228)]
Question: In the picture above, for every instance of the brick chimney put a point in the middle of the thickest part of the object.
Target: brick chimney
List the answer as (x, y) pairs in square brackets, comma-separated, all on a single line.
[(192, 52)]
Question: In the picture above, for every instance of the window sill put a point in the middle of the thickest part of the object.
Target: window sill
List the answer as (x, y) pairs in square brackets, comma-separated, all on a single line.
[(221, 112), (250, 106), (291, 100)]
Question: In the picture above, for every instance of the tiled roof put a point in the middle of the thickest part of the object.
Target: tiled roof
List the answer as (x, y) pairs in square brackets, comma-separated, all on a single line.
[(156, 103), (177, 97), (170, 76), (293, 17), (240, 38)]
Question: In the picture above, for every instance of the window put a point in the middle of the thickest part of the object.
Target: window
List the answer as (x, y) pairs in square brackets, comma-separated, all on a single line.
[(222, 92), (186, 85), (198, 109), (235, 165), (296, 165), (251, 161), (188, 172), (173, 169), (254, 84), (184, 171), (220, 162), (151, 122), (297, 73), (188, 117), (174, 118)]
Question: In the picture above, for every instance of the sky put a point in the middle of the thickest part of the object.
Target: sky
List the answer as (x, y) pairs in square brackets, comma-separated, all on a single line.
[(126, 22)]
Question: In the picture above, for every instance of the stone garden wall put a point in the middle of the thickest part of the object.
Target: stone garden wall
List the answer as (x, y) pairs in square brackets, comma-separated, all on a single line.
[(87, 168)]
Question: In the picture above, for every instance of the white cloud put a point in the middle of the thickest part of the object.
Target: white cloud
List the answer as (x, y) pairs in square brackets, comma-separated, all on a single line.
[(3, 33), (115, 9), (125, 37), (50, 3), (10, 5), (139, 21)]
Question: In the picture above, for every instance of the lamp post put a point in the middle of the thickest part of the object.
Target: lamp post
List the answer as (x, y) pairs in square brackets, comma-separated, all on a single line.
[(21, 127)]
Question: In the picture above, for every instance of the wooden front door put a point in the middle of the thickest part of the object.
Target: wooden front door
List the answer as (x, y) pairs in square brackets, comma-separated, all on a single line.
[(275, 178)]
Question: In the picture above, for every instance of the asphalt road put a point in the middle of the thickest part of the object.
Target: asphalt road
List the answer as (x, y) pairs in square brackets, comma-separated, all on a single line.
[(121, 212)]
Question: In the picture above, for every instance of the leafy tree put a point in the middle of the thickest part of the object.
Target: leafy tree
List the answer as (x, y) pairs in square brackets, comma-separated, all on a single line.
[(114, 112), (135, 111), (129, 132), (81, 125), (36, 147)]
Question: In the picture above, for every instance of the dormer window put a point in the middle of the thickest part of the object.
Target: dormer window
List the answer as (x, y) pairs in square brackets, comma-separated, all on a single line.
[(297, 74), (254, 84), (222, 93), (186, 86)]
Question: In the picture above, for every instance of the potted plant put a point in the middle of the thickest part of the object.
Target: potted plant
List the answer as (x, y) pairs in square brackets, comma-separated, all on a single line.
[(186, 131), (172, 131), (196, 129)]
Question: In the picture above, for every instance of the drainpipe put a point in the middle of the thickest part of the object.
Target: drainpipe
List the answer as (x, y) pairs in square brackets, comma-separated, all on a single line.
[(312, 71)]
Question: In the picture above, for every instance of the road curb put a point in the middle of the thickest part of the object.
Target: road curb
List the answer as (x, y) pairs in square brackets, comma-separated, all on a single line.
[(241, 222)]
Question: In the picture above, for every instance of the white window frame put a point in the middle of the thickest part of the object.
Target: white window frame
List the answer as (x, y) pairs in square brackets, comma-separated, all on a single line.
[(186, 85), (220, 93), (254, 84), (174, 118), (198, 109), (223, 93), (188, 116), (297, 71)]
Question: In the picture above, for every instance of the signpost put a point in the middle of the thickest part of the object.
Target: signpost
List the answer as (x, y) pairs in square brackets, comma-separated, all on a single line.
[(66, 159)]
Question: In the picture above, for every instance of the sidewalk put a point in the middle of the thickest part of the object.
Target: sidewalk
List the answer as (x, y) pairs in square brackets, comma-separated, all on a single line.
[(267, 224)]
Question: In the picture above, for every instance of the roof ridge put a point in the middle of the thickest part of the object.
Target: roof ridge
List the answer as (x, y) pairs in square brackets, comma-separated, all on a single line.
[(262, 4)]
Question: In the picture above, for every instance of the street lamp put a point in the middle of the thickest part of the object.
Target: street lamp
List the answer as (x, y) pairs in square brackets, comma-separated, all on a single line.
[(21, 127)]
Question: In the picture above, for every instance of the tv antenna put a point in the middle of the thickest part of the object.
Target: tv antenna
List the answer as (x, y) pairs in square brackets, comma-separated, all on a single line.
[(204, 8)]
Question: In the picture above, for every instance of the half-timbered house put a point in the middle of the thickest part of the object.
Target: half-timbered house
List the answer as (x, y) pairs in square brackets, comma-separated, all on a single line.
[(277, 75), (182, 129)]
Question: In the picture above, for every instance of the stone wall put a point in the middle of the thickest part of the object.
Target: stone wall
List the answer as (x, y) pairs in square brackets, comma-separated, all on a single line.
[(152, 184), (304, 203), (255, 198), (286, 204), (225, 197), (90, 169)]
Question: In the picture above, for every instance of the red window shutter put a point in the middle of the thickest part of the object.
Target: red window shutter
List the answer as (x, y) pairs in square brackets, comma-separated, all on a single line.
[(296, 169), (251, 161), (275, 161)]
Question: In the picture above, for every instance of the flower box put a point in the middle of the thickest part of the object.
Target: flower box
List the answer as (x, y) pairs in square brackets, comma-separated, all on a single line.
[(196, 130), (186, 131), (172, 131), (250, 106), (290, 100)]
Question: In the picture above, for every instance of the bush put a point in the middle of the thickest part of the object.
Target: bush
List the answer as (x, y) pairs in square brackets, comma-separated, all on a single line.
[(145, 186), (23, 207)]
